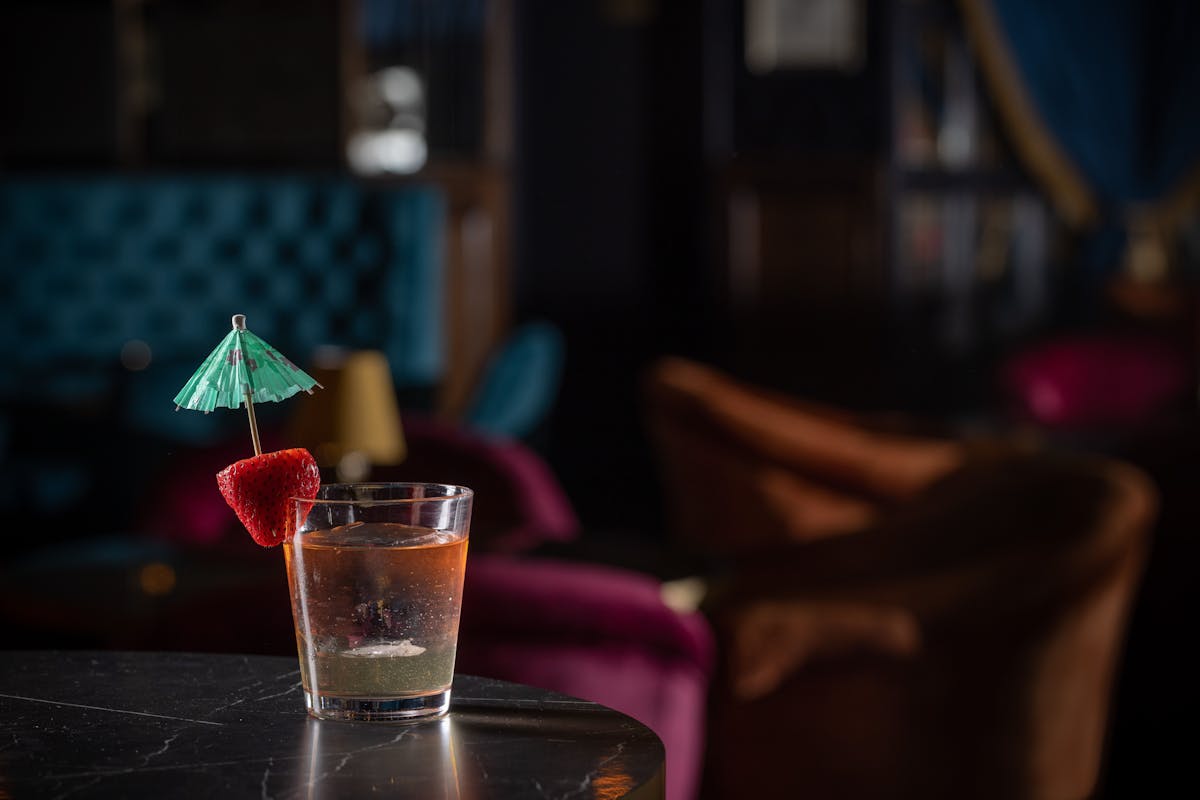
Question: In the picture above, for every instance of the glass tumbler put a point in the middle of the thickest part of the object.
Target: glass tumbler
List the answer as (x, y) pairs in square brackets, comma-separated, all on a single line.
[(375, 572)]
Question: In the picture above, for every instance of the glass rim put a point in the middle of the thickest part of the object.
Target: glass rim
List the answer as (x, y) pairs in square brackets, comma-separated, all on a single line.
[(448, 491)]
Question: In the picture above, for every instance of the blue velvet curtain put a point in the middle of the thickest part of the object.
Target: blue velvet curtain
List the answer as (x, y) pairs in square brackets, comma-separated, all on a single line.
[(1117, 82), (1101, 96)]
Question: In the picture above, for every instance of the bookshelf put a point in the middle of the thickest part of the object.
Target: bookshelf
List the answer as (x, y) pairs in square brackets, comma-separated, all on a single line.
[(460, 53), (878, 242), (974, 246)]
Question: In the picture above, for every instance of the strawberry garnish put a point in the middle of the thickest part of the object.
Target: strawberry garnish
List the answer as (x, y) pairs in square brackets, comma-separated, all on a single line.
[(259, 489)]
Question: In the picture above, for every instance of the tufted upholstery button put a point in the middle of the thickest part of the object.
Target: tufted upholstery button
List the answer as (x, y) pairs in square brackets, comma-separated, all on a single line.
[(164, 249), (101, 324), (159, 324), (58, 208), (131, 214), (258, 212), (315, 211), (193, 283), (196, 212), (287, 252), (31, 251), (31, 323), (62, 285), (254, 284), (227, 250), (92, 248), (126, 285)]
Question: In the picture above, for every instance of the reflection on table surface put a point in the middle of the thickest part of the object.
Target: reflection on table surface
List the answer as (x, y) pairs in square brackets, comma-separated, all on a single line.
[(188, 725)]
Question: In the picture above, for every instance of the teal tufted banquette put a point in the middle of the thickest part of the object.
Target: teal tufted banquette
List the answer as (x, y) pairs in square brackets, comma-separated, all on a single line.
[(100, 269)]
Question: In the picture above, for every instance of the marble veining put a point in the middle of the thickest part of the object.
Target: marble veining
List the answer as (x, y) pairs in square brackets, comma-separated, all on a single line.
[(166, 745), (82, 725), (110, 710), (264, 794)]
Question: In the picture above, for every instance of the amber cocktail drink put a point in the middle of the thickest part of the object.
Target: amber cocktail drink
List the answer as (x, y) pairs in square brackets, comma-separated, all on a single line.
[(376, 576)]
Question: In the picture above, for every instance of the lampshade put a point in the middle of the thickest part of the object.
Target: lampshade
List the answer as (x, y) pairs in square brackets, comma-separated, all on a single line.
[(355, 421)]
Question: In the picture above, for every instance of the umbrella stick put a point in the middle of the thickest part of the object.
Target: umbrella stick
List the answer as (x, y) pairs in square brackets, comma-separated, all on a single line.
[(253, 423)]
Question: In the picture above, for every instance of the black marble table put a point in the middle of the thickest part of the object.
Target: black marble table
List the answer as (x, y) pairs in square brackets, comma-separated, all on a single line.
[(104, 724)]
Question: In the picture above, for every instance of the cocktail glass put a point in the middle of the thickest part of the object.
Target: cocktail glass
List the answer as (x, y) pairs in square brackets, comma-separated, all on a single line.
[(376, 575)]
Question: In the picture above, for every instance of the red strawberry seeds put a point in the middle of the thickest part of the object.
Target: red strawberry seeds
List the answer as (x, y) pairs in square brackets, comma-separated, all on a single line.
[(258, 490)]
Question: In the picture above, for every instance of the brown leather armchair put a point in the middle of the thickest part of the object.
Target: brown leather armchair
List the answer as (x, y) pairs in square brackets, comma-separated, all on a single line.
[(900, 616)]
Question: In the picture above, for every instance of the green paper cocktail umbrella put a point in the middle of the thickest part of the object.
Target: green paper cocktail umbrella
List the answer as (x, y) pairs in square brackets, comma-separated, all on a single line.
[(243, 369)]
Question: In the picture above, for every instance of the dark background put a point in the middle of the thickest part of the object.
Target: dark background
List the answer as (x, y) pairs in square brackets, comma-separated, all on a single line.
[(632, 134)]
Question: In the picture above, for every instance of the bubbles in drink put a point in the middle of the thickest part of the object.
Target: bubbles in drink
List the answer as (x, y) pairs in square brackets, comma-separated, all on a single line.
[(380, 608)]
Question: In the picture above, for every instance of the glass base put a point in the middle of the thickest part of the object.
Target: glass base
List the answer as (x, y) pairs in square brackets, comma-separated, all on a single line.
[(368, 709)]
